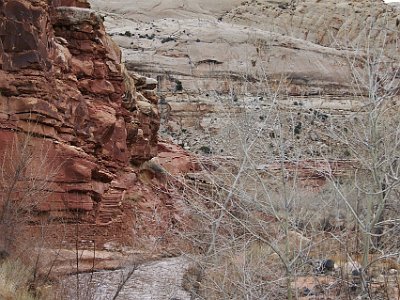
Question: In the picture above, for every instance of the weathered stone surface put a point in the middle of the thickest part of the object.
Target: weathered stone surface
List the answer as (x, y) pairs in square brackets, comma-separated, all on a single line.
[(62, 89), (157, 280), (176, 160), (221, 65)]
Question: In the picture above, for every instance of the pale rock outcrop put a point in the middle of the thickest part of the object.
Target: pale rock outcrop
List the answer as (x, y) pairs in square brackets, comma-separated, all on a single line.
[(222, 65)]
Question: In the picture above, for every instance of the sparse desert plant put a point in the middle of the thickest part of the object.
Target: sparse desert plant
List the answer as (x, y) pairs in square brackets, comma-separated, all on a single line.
[(15, 282), (25, 174), (178, 86)]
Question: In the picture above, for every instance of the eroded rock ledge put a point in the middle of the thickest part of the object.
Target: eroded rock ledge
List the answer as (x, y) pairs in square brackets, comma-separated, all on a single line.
[(71, 114)]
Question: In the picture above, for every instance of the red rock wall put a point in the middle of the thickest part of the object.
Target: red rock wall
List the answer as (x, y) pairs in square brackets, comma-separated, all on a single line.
[(67, 102)]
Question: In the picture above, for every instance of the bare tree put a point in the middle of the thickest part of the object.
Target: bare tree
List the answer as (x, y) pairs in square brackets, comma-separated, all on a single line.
[(24, 179), (260, 229), (373, 139)]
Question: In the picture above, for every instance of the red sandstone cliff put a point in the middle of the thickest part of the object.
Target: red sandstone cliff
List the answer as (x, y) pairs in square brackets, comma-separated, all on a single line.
[(66, 97)]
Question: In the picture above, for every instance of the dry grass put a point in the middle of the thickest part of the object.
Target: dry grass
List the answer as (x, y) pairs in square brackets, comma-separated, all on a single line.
[(249, 271), (15, 279), (16, 282)]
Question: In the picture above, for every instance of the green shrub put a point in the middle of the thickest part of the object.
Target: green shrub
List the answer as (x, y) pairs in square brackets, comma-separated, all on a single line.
[(178, 87), (205, 149)]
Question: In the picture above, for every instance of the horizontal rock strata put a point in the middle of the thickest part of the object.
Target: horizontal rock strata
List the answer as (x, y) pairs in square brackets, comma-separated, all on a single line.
[(74, 126), (229, 68)]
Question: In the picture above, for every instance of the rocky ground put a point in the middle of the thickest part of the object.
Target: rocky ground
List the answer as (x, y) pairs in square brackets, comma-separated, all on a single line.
[(158, 280)]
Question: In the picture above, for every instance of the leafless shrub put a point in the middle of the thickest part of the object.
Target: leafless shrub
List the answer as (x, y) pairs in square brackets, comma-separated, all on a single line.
[(258, 228)]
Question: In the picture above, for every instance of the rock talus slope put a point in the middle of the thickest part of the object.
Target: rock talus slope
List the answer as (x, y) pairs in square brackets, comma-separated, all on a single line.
[(76, 124)]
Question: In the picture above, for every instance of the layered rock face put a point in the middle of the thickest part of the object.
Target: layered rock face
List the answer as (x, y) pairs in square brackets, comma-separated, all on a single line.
[(74, 125), (334, 24), (238, 74)]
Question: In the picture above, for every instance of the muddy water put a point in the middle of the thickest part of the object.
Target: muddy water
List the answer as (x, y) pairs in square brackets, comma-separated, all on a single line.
[(159, 280)]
